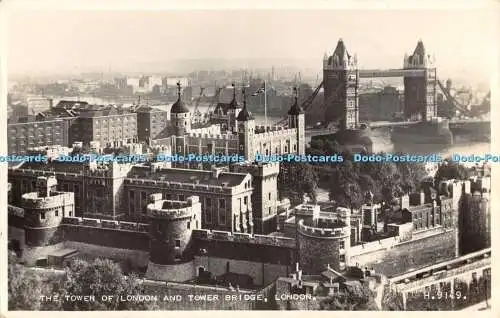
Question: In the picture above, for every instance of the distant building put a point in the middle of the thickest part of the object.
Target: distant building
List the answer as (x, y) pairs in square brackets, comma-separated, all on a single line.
[(22, 136), (380, 106), (151, 123)]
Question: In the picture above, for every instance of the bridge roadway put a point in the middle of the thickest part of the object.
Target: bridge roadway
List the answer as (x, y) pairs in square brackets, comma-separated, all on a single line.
[(455, 123)]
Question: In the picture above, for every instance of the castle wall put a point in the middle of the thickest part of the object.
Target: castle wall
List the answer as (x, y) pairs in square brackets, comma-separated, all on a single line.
[(172, 273), (401, 256), (115, 238), (261, 272)]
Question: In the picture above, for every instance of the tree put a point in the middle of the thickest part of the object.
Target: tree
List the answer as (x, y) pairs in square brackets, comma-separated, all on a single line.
[(99, 278), (451, 170), (296, 180), (24, 290), (353, 298)]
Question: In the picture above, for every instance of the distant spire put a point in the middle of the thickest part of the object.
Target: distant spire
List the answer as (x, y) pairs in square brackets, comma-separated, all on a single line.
[(234, 90), (295, 93)]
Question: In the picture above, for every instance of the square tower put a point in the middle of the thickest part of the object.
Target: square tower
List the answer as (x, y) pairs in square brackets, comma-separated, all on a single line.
[(420, 93), (341, 81)]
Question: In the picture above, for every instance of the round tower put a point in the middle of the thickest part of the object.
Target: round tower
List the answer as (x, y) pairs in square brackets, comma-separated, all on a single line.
[(180, 115), (322, 243), (44, 211), (170, 230)]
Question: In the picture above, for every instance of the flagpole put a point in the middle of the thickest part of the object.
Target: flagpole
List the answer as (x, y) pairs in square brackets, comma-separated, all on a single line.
[(265, 103)]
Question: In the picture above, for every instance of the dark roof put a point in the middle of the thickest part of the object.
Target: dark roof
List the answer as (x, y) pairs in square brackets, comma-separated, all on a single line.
[(340, 52), (295, 109), (54, 166), (203, 177), (244, 114), (68, 104), (107, 111), (179, 107), (234, 103), (147, 109)]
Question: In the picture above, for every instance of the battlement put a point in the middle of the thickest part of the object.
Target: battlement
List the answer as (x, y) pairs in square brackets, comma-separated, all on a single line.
[(308, 210), (179, 185), (107, 224), (33, 201), (39, 173), (168, 209), (213, 135), (281, 133), (324, 232), (211, 130), (244, 238), (257, 169), (260, 129)]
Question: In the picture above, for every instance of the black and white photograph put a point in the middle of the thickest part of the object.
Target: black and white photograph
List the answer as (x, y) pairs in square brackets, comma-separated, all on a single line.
[(257, 158)]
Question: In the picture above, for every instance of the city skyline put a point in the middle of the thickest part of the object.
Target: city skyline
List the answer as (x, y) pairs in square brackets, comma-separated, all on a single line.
[(89, 41)]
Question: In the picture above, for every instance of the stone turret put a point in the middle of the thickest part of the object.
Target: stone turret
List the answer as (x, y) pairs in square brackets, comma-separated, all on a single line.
[(171, 227)]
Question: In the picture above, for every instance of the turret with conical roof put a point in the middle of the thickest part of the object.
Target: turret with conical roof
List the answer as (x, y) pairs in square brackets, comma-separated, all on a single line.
[(246, 132), (244, 114), (232, 111), (296, 120), (180, 115), (295, 109)]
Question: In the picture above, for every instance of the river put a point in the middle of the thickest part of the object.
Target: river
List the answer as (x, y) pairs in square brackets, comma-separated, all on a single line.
[(380, 138)]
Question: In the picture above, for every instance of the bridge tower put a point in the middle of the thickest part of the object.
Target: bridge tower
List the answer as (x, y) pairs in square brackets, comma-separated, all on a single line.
[(420, 89), (340, 76)]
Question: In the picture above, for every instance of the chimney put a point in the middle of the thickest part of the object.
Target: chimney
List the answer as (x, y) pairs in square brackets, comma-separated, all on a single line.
[(216, 172)]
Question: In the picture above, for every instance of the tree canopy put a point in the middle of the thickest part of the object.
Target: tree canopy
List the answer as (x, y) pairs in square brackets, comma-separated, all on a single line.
[(24, 289), (100, 277), (296, 180)]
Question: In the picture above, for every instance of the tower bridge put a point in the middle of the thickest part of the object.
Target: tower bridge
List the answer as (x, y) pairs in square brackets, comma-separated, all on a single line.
[(341, 76)]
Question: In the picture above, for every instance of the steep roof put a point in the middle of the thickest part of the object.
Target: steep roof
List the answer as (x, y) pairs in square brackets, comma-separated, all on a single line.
[(295, 109), (179, 107), (341, 53)]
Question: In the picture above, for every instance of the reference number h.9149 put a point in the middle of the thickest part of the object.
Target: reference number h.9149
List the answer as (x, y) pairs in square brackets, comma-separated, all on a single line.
[(444, 295)]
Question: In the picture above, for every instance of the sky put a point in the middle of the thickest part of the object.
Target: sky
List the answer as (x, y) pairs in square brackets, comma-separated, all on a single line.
[(464, 42)]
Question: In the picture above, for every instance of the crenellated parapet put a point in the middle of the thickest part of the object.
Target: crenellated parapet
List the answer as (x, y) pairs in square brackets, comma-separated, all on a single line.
[(170, 210), (180, 186), (276, 134), (258, 169), (256, 239), (33, 201), (106, 224), (217, 136), (324, 232)]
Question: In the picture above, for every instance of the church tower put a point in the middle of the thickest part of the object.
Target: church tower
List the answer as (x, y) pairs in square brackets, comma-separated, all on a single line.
[(246, 131), (180, 115), (420, 88), (233, 110), (296, 120), (341, 81)]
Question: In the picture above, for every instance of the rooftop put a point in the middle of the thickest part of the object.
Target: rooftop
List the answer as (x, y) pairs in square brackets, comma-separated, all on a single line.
[(228, 179)]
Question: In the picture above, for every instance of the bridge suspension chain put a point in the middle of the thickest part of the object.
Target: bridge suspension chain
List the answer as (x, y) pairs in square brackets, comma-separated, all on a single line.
[(455, 103), (308, 102)]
